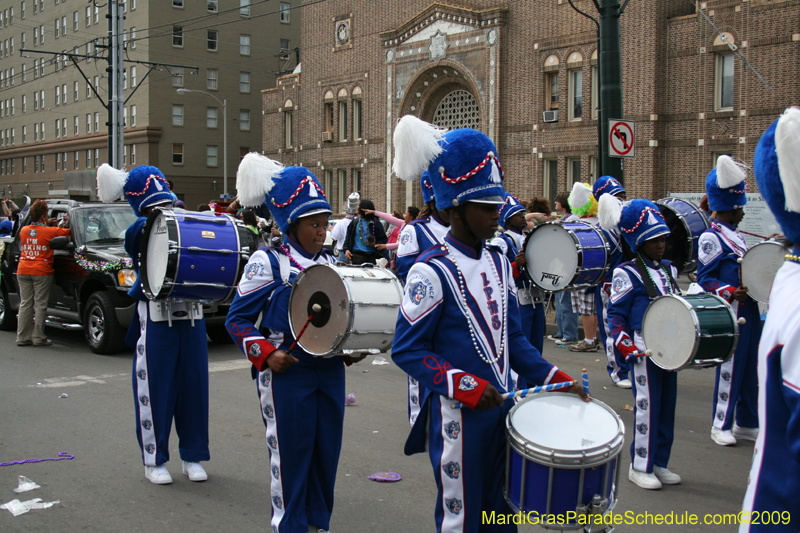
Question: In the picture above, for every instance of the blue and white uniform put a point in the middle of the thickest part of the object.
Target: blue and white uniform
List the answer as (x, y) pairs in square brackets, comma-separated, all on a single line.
[(654, 389), (718, 272), (417, 237), (302, 408), (617, 367)]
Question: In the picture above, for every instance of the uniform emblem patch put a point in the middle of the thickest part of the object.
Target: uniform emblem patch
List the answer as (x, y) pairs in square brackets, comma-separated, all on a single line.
[(726, 294), (269, 412), (418, 291), (144, 400), (150, 448), (467, 384), (253, 269), (723, 396), (142, 374), (627, 343), (413, 418), (452, 469), (643, 404), (264, 378), (708, 247), (412, 381), (405, 237), (276, 471), (642, 428), (452, 429), (146, 424), (641, 452), (726, 376), (140, 349), (254, 350), (144, 323), (641, 380), (273, 442), (414, 400), (276, 500), (720, 415), (454, 505)]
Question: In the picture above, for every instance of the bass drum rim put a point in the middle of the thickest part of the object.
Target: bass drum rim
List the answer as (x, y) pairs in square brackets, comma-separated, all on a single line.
[(173, 260), (689, 264), (577, 243), (771, 242)]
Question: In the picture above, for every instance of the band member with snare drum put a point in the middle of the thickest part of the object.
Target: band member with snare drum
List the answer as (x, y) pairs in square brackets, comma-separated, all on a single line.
[(170, 367), (584, 205), (634, 285), (455, 333), (301, 397), (718, 272), (774, 480), (617, 366)]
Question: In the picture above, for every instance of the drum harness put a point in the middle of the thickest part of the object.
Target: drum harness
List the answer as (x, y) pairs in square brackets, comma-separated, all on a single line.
[(649, 282)]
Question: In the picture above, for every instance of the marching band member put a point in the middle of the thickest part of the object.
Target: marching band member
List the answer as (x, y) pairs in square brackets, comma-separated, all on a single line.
[(718, 272), (301, 397), (339, 230), (634, 285), (170, 369), (530, 299), (617, 367), (455, 333), (774, 480), (584, 205), (422, 234)]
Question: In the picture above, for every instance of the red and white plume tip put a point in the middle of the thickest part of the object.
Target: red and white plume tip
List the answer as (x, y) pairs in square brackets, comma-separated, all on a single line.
[(254, 178), (609, 212), (110, 183), (787, 146), (416, 145), (730, 172)]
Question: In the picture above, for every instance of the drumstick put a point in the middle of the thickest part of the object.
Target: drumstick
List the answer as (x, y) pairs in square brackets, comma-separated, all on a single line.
[(753, 234), (316, 308), (525, 392), (585, 381)]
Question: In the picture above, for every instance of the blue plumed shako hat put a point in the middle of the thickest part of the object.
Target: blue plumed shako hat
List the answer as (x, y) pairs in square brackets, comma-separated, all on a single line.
[(606, 185), (143, 187), (290, 192), (726, 186), (511, 207), (462, 164), (777, 170), (426, 187), (637, 220)]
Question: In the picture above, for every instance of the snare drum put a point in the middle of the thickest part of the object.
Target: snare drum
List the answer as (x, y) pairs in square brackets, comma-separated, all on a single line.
[(193, 256), (566, 256), (563, 456), (686, 223), (359, 309), (760, 265), (697, 331)]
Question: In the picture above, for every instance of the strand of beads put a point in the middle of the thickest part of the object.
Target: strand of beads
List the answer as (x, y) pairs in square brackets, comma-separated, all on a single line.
[(285, 250), (661, 267), (793, 258), (462, 289)]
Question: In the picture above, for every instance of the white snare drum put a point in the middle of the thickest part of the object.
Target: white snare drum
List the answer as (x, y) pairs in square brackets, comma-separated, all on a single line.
[(572, 445), (760, 265), (359, 309)]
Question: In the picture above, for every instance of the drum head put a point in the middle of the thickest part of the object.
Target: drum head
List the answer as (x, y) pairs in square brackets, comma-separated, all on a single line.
[(679, 241), (157, 254), (668, 329), (565, 424), (320, 284), (760, 266), (552, 258)]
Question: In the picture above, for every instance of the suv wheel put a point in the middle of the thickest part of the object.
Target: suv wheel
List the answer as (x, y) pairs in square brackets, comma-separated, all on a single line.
[(219, 335), (103, 333), (8, 318)]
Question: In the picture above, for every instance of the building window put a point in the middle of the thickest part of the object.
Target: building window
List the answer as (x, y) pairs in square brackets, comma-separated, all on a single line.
[(593, 168), (24, 165), (88, 123), (342, 187), (24, 103), (64, 127), (211, 156), (342, 121), (36, 157), (177, 76), (133, 115), (96, 158), (288, 127), (458, 109), (75, 21), (244, 8), (573, 171), (133, 77), (97, 122), (211, 79), (723, 92), (24, 134), (76, 160), (575, 94), (58, 161), (177, 36), (550, 178), (715, 157), (88, 159), (177, 154), (96, 16), (244, 119), (133, 154), (211, 6), (58, 128), (76, 125), (595, 92), (211, 41), (357, 180), (244, 44), (327, 185), (24, 74), (177, 115), (328, 125), (286, 12), (124, 117), (75, 91), (244, 82), (58, 28), (22, 10), (58, 95), (177, 3), (211, 117), (357, 121), (243, 151), (88, 16), (133, 37), (551, 90)]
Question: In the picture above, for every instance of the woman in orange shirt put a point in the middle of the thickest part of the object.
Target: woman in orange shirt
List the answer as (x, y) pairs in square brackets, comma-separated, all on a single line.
[(35, 275)]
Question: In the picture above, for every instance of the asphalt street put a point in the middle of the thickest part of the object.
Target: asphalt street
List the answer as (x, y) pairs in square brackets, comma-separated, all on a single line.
[(104, 489)]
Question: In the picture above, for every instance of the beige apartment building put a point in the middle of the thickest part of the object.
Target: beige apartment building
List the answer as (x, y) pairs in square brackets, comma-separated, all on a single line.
[(53, 124)]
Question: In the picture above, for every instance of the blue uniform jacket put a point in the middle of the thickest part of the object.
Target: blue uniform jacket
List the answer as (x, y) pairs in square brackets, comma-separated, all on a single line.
[(718, 268), (133, 237), (417, 237)]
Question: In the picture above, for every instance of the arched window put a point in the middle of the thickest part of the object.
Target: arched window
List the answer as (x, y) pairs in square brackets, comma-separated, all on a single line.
[(458, 109)]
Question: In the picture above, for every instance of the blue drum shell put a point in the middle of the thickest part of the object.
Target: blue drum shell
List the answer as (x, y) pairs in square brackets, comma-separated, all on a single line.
[(594, 254)]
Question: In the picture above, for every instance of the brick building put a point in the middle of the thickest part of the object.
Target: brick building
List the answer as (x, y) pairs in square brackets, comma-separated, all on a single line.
[(498, 66)]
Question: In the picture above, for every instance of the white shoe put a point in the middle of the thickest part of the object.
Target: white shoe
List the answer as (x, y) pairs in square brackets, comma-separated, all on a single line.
[(643, 479), (744, 433), (623, 384), (723, 438), (194, 471), (665, 476), (158, 475)]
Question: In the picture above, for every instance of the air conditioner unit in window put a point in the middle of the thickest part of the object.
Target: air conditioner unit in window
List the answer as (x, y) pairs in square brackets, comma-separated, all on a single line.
[(551, 116), (327, 136)]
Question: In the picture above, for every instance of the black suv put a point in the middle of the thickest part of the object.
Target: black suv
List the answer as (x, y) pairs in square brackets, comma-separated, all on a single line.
[(92, 277)]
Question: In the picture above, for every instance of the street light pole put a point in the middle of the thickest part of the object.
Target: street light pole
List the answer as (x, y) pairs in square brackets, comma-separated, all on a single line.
[(224, 104)]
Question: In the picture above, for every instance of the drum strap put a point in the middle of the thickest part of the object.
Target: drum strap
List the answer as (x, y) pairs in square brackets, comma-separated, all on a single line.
[(652, 291), (284, 265)]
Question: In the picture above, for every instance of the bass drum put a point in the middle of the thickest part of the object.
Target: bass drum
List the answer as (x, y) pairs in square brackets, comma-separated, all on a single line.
[(760, 265), (686, 223)]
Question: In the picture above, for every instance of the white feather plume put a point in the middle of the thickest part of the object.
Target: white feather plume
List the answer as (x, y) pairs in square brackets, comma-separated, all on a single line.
[(579, 196), (254, 178), (110, 182), (416, 145), (730, 172), (609, 211), (787, 145)]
